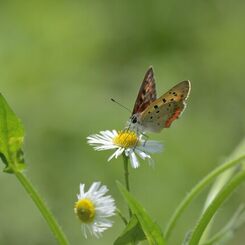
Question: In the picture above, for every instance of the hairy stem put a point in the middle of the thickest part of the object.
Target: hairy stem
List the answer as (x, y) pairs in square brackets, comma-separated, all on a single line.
[(126, 176), (55, 228)]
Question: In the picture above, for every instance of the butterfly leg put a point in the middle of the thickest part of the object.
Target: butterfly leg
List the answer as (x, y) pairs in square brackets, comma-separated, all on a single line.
[(138, 132), (146, 138)]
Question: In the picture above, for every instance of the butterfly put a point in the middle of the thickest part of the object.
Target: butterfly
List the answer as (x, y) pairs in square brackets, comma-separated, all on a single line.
[(151, 114)]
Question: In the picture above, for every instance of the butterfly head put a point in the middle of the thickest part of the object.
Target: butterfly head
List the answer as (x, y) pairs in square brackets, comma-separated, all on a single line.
[(134, 119), (134, 123)]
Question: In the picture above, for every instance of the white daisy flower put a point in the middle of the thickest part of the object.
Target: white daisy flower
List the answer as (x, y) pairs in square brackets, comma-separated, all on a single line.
[(127, 142), (93, 208)]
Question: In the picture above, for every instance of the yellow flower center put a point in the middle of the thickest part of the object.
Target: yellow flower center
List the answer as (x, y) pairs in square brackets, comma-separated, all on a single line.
[(126, 139), (85, 210)]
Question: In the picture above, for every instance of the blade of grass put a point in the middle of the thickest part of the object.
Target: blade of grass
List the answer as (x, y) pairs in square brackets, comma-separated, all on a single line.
[(214, 206), (196, 190), (219, 183), (228, 231)]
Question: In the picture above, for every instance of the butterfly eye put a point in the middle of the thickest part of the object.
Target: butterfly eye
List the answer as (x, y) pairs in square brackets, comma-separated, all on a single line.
[(134, 119)]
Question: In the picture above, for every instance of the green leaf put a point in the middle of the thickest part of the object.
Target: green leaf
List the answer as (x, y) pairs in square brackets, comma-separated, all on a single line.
[(11, 138), (221, 181), (237, 158), (214, 206), (132, 233), (228, 231), (151, 229)]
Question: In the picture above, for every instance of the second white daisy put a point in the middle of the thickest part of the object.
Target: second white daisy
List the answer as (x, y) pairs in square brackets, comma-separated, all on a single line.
[(127, 142), (93, 209)]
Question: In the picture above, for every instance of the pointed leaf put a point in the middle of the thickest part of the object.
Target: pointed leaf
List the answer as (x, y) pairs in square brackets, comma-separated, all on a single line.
[(11, 138), (214, 207), (151, 229), (220, 182), (132, 233), (228, 231)]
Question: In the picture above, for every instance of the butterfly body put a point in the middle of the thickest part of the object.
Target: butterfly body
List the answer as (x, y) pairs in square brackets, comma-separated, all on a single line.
[(151, 114)]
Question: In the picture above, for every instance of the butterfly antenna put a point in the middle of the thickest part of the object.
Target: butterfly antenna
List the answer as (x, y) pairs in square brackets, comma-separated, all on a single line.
[(121, 105)]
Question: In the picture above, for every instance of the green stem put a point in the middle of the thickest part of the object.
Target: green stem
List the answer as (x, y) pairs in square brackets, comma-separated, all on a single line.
[(122, 217), (196, 190), (126, 176), (212, 208), (126, 172), (56, 229)]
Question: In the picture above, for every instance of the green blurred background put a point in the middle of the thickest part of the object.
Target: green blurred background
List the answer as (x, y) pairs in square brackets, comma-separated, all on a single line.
[(62, 61)]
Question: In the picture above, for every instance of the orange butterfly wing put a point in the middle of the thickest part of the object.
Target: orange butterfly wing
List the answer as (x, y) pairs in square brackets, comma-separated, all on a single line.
[(163, 111)]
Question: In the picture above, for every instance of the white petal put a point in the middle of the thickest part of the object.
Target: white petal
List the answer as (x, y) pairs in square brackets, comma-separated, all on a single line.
[(81, 194), (151, 161), (151, 146), (116, 154), (103, 138), (93, 188), (84, 232), (100, 192), (105, 147), (97, 140), (133, 159), (119, 152), (113, 155), (109, 134), (142, 154)]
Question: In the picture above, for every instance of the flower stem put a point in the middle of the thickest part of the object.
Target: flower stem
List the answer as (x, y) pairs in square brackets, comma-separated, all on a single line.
[(126, 172), (126, 176), (55, 228)]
